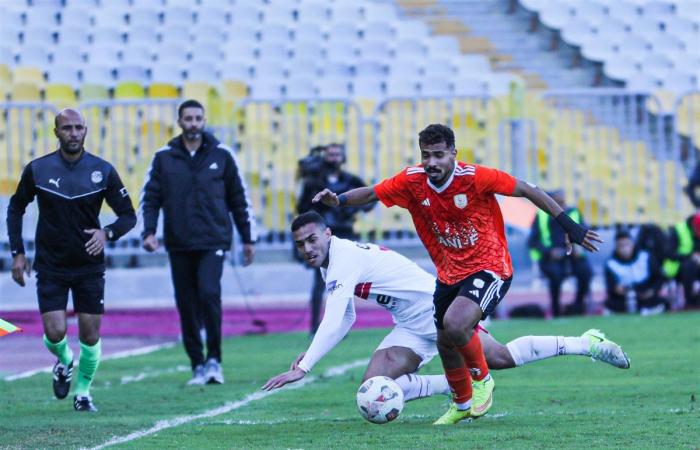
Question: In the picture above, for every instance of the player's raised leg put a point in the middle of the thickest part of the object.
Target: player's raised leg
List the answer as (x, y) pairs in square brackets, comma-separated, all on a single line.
[(56, 342), (401, 363), (527, 349)]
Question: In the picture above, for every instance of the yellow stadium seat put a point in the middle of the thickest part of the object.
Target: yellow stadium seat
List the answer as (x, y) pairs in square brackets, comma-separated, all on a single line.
[(25, 92), (90, 92), (4, 91), (61, 95), (162, 90), (234, 89), (5, 74), (129, 90), (27, 74)]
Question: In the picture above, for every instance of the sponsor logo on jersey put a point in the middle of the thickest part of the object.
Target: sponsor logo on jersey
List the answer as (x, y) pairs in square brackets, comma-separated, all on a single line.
[(425, 202), (460, 201), (333, 286), (456, 235), (96, 176), (55, 182)]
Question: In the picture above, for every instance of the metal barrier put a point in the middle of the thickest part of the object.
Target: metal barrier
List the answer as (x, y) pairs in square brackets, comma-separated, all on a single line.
[(26, 132), (617, 156), (612, 152), (271, 136)]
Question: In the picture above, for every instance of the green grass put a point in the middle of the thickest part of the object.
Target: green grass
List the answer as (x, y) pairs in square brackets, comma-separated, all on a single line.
[(566, 402)]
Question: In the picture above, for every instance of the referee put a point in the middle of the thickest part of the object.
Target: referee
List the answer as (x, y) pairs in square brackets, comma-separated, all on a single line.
[(196, 181), (70, 185)]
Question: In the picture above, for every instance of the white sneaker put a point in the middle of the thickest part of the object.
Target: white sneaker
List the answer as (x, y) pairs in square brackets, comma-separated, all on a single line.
[(658, 309), (198, 376), (213, 372)]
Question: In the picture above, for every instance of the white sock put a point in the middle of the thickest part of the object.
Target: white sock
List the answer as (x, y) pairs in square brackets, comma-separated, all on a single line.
[(527, 349), (419, 386)]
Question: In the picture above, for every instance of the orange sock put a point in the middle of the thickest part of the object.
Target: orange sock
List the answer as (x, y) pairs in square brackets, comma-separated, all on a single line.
[(461, 384), (474, 358)]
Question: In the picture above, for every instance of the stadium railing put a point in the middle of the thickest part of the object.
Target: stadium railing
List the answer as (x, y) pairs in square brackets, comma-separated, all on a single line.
[(620, 161)]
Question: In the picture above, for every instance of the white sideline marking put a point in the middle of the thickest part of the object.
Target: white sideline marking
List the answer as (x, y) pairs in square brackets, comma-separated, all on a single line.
[(126, 379), (118, 355), (229, 406)]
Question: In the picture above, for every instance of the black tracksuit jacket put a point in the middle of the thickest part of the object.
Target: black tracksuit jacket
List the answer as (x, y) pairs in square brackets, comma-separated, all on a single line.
[(198, 194)]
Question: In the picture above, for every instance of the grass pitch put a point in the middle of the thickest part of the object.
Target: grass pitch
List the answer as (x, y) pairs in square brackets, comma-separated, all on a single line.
[(565, 402)]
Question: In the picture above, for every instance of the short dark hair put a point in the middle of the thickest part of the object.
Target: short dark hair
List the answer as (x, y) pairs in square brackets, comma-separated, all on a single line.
[(436, 133), (191, 103), (623, 233), (307, 218)]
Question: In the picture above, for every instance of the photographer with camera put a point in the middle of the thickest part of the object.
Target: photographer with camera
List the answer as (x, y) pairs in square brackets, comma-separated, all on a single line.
[(320, 170)]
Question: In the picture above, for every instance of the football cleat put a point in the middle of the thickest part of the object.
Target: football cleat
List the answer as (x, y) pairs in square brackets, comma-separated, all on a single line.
[(62, 376), (214, 374), (603, 349), (482, 396), (453, 416), (83, 403)]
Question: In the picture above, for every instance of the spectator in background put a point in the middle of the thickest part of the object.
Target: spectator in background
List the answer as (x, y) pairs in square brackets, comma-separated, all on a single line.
[(633, 279), (322, 169), (547, 243), (196, 181), (654, 240), (693, 188), (683, 261)]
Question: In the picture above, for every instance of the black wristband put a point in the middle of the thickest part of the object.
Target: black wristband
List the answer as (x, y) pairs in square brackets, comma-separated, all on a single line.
[(575, 231), (342, 200)]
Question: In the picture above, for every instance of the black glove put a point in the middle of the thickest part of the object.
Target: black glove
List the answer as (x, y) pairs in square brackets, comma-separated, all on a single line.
[(575, 231)]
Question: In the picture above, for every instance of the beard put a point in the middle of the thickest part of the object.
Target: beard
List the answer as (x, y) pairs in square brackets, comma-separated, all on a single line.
[(72, 148), (193, 135)]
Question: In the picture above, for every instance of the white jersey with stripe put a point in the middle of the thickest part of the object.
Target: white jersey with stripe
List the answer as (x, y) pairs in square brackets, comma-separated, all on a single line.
[(380, 276)]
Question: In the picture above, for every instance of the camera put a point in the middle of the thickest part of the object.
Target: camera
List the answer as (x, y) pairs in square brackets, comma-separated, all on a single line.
[(312, 164)]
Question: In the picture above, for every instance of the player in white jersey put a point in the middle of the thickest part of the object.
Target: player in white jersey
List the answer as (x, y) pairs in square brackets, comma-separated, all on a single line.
[(373, 273)]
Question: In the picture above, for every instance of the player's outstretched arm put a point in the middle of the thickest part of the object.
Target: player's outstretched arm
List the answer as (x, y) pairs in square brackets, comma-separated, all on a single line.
[(337, 321), (355, 197), (574, 232)]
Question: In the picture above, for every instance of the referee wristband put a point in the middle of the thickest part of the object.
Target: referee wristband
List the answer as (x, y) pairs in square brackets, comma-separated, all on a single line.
[(342, 200), (575, 231)]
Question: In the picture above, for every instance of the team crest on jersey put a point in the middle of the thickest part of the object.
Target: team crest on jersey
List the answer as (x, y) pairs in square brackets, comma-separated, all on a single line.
[(460, 201), (96, 176)]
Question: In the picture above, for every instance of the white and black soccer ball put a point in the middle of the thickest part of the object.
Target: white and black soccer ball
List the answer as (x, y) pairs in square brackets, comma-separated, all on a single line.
[(380, 400)]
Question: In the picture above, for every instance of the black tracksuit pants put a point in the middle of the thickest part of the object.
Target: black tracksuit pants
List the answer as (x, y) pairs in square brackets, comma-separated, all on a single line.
[(197, 282)]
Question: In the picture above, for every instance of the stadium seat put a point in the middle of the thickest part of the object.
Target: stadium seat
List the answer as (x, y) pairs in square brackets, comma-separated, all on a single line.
[(345, 12), (404, 85), (60, 95), (93, 92), (245, 12), (103, 36), (78, 17), (5, 74), (435, 87), (64, 74), (25, 92), (129, 90), (178, 16), (22, 74), (132, 72), (203, 73), (300, 88), (73, 36), (214, 18), (103, 55), (38, 36), (334, 87), (370, 68), (139, 55), (142, 36), (36, 17), (93, 74), (143, 17), (165, 73), (34, 56), (162, 90)]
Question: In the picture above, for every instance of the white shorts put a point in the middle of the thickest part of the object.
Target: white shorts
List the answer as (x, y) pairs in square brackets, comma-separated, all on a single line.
[(421, 337)]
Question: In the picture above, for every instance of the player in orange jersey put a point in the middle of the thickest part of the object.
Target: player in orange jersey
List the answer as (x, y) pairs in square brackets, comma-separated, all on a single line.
[(457, 217)]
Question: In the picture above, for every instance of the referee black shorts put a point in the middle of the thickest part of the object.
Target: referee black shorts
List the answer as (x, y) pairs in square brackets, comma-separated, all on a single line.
[(484, 288), (88, 292)]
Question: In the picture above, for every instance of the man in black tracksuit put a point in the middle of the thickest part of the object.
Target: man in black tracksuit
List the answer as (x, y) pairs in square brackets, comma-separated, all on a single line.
[(197, 182), (70, 186)]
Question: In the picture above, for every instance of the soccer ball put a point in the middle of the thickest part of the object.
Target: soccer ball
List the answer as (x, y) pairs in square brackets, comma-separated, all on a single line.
[(380, 400)]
